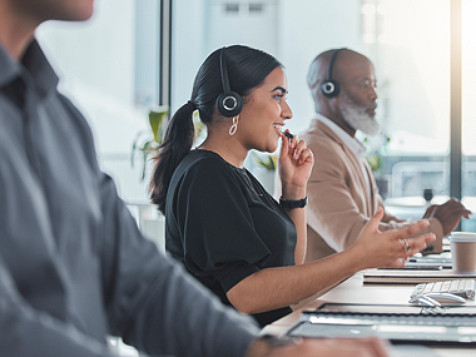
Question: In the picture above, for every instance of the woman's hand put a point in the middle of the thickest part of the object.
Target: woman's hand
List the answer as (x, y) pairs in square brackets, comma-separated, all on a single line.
[(390, 248), (295, 165)]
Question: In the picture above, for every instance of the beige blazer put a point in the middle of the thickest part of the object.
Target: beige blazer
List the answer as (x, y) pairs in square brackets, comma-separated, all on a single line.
[(339, 200)]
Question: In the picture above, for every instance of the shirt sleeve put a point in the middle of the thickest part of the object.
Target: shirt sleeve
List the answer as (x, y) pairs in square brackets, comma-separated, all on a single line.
[(331, 209), (28, 332), (216, 224), (153, 303), (150, 301), (333, 212)]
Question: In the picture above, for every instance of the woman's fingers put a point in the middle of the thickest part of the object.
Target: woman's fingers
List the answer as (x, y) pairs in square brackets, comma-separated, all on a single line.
[(289, 147), (300, 146), (407, 247), (392, 249), (417, 244), (306, 156), (284, 147), (298, 150), (372, 224), (410, 230)]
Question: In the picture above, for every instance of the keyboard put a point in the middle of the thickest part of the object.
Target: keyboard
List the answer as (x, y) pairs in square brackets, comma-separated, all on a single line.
[(437, 327), (460, 287)]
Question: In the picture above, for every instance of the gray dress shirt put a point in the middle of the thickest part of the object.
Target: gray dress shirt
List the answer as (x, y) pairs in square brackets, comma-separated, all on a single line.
[(73, 266)]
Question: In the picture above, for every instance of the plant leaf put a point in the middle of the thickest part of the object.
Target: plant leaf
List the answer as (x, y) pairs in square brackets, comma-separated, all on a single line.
[(269, 162), (156, 119), (144, 162)]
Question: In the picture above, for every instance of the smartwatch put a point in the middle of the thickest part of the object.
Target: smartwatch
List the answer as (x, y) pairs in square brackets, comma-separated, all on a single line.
[(293, 203)]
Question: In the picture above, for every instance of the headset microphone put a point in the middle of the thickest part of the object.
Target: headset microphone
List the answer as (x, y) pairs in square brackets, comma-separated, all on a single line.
[(330, 88), (229, 103)]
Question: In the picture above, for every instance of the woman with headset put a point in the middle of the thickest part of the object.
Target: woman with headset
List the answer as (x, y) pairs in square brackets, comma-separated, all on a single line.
[(222, 224)]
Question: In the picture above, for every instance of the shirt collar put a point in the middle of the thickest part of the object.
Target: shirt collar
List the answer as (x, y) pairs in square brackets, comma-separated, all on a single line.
[(33, 64), (351, 142), (9, 68)]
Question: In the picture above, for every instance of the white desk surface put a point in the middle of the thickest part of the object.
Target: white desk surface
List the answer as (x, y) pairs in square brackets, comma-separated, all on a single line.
[(353, 290)]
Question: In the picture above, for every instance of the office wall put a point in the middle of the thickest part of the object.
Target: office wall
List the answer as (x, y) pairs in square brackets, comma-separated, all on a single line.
[(202, 26), (95, 60), (97, 65), (292, 30), (305, 31), (100, 61)]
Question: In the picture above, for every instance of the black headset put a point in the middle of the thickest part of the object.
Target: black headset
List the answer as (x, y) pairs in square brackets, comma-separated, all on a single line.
[(330, 88), (229, 103)]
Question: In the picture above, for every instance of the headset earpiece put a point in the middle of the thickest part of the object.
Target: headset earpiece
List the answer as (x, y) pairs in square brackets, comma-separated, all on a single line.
[(229, 103), (330, 87)]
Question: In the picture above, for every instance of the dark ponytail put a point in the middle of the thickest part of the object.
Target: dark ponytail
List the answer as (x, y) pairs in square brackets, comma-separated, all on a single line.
[(247, 68), (177, 143)]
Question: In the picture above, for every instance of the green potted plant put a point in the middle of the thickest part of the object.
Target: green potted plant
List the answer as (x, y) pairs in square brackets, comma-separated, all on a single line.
[(265, 169), (267, 161), (147, 142)]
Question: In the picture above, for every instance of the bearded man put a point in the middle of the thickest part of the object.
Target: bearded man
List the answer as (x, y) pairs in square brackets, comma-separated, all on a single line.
[(342, 192)]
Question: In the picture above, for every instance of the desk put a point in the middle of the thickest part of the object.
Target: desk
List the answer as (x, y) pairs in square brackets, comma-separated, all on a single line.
[(353, 290)]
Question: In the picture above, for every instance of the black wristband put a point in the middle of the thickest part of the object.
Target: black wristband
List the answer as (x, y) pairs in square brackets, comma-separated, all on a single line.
[(293, 203)]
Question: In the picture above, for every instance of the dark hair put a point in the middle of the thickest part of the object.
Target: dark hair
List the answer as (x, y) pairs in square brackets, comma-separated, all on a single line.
[(247, 69)]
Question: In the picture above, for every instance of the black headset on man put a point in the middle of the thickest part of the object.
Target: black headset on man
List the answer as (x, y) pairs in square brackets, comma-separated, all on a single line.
[(229, 103), (330, 87)]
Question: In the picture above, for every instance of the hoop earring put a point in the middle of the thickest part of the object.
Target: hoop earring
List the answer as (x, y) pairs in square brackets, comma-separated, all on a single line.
[(234, 127)]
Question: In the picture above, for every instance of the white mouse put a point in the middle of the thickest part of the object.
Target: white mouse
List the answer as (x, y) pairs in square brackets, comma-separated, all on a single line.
[(446, 298), (437, 299)]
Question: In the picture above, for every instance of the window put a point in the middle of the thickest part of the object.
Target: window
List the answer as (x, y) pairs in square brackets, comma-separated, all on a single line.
[(111, 72), (468, 109), (410, 50), (413, 66), (409, 42), (109, 67)]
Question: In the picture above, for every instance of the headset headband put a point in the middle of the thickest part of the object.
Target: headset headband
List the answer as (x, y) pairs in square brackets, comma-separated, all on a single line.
[(224, 73), (332, 62), (228, 103)]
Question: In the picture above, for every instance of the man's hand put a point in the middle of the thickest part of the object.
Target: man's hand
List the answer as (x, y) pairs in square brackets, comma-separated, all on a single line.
[(332, 347), (449, 214)]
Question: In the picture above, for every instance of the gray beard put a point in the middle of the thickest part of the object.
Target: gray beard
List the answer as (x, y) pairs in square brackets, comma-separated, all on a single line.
[(357, 118)]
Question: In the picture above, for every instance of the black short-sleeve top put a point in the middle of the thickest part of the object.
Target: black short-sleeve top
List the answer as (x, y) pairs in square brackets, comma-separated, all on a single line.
[(223, 226)]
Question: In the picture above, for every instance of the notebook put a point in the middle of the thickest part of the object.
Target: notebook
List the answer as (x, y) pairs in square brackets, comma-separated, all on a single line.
[(397, 323), (405, 276), (433, 262), (429, 262)]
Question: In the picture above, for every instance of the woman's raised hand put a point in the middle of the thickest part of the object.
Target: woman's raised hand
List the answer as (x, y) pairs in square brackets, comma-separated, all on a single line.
[(390, 248), (295, 162)]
